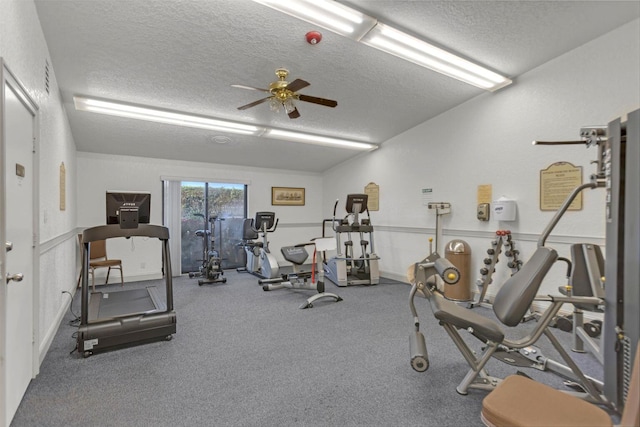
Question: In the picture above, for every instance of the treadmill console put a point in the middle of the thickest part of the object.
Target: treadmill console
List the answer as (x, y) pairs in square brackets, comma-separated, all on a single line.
[(128, 209)]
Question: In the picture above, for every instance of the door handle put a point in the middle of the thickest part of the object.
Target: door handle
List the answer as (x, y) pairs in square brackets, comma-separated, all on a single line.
[(15, 277), (8, 246)]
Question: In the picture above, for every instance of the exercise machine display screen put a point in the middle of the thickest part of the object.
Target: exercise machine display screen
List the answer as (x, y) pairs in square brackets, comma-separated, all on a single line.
[(356, 203), (128, 209), (264, 219)]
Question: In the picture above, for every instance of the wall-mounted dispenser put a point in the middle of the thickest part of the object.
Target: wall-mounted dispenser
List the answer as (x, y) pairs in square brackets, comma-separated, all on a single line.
[(483, 211), (504, 209)]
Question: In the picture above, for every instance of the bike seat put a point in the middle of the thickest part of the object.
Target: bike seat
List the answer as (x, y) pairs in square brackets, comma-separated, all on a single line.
[(201, 233), (295, 254)]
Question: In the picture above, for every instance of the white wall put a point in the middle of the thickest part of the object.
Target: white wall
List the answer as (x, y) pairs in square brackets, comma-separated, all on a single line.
[(98, 173), (488, 141), (24, 49), (452, 153)]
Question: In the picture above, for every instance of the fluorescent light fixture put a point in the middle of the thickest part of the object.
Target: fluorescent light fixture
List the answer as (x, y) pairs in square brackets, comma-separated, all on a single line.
[(410, 48), (150, 114), (327, 14), (317, 139), (351, 23), (140, 112)]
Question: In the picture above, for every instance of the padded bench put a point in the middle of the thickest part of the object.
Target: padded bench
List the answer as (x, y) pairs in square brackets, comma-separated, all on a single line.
[(521, 402)]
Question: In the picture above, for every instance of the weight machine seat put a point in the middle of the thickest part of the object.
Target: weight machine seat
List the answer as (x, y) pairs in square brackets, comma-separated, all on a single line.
[(517, 294), (510, 305), (460, 317), (521, 402)]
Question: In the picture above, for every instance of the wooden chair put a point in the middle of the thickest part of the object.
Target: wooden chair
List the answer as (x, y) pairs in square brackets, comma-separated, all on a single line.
[(98, 259), (521, 402)]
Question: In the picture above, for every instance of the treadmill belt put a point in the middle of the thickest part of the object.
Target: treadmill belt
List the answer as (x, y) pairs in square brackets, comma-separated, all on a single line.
[(120, 304)]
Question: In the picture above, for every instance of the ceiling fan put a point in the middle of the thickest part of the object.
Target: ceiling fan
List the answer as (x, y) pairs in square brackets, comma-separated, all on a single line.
[(283, 94)]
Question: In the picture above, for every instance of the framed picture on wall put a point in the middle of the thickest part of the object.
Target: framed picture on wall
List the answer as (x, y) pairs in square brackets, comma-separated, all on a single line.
[(287, 196)]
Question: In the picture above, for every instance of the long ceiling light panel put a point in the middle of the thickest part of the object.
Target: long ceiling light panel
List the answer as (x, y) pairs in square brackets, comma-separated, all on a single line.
[(317, 139), (150, 114), (390, 40), (353, 24), (177, 118), (326, 14)]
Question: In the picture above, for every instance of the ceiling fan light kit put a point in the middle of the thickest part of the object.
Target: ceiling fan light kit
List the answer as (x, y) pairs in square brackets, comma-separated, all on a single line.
[(178, 118), (283, 94), (353, 24)]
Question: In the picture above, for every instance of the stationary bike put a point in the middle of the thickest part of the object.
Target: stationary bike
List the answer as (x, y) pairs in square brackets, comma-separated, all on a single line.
[(311, 280), (260, 261), (211, 269)]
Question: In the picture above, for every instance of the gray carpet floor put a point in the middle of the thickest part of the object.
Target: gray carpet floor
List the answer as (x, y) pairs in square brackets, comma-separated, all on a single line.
[(245, 357)]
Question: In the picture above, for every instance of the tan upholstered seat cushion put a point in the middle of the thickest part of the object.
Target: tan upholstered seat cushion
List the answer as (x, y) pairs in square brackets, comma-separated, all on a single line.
[(519, 401)]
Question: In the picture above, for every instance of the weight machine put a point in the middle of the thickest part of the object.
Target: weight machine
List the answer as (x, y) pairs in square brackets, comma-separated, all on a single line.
[(511, 304), (618, 165), (345, 268), (587, 280), (618, 171)]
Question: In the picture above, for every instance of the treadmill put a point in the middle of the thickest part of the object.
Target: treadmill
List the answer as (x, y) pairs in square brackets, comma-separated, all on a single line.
[(117, 319)]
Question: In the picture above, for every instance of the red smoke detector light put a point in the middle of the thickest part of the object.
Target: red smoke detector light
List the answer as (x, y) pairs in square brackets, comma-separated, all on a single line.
[(313, 37)]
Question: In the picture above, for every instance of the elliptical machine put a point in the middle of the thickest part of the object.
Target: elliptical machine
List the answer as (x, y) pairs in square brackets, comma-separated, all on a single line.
[(211, 269), (345, 268), (260, 261)]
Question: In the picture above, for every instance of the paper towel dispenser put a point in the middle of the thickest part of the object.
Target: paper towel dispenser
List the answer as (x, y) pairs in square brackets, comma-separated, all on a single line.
[(504, 209)]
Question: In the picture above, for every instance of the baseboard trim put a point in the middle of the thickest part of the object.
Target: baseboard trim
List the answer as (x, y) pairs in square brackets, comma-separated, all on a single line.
[(45, 344), (394, 276)]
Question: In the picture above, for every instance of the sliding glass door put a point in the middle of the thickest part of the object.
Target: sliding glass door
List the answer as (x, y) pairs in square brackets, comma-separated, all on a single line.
[(218, 209)]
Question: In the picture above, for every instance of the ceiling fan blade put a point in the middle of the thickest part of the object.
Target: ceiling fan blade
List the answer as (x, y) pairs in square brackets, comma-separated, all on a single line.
[(250, 88), (297, 84), (294, 114), (253, 104), (321, 101)]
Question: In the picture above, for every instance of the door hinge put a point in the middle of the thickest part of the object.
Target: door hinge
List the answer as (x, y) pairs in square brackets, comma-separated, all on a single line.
[(33, 147), (33, 243)]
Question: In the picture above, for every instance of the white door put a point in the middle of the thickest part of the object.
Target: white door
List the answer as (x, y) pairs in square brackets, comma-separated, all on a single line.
[(19, 350)]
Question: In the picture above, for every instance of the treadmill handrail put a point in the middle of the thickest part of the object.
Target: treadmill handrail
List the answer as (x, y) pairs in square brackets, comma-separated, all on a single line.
[(104, 232)]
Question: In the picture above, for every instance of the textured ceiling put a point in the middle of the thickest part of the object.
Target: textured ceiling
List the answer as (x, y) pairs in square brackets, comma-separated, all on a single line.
[(185, 55)]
